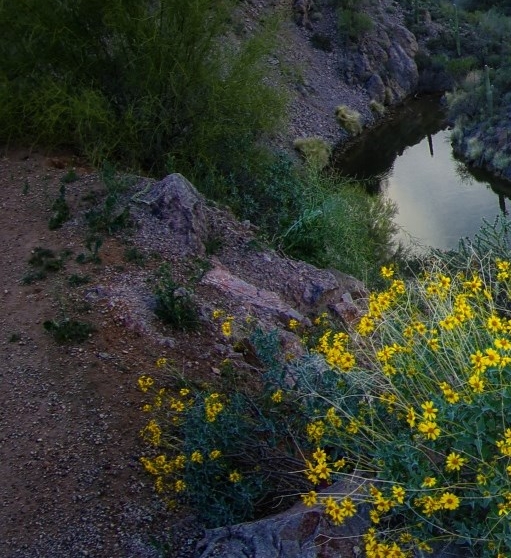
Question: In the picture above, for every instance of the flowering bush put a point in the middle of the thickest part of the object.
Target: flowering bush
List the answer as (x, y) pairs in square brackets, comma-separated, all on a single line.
[(226, 455), (422, 404), (414, 399)]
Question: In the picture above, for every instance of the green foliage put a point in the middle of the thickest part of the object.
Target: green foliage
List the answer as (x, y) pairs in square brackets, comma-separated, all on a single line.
[(76, 280), (341, 226), (60, 208), (352, 24), (321, 42), (68, 330), (44, 261), (113, 213), (93, 243), (133, 255), (377, 107), (315, 151), (134, 82), (349, 119), (174, 304), (233, 456)]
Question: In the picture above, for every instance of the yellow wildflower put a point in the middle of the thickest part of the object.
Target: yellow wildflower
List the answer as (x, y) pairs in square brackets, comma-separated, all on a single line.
[(196, 457), (235, 477), (310, 499), (214, 454), (429, 410), (429, 429), (145, 382), (277, 396), (449, 501), (454, 462), (387, 272)]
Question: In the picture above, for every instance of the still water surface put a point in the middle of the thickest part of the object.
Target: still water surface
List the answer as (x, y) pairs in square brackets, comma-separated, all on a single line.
[(410, 160)]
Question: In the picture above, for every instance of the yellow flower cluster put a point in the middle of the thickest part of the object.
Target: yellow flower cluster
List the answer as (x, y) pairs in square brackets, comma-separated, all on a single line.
[(235, 477), (276, 396), (151, 433), (504, 444), (318, 469), (227, 326), (505, 507), (504, 268), (293, 324), (334, 348), (315, 431), (439, 286), (338, 512), (383, 504), (375, 549), (431, 504), (145, 382), (322, 319), (450, 395), (213, 407)]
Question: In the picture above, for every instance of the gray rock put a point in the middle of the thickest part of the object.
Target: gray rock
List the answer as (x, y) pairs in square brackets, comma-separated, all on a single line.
[(300, 532), (176, 201)]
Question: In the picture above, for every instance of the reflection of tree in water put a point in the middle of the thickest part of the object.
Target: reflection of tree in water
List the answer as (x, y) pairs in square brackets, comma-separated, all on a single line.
[(469, 175), (373, 156), (463, 173)]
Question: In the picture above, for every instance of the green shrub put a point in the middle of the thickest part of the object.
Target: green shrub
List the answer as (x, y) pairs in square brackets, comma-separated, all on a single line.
[(174, 305), (231, 456), (69, 331), (341, 226), (422, 396), (321, 42), (60, 208), (352, 24), (377, 107), (134, 82), (349, 119), (316, 151), (113, 213)]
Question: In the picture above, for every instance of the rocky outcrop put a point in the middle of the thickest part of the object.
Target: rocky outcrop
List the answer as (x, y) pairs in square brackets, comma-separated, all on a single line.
[(300, 532), (176, 202), (221, 264), (383, 63), (303, 532)]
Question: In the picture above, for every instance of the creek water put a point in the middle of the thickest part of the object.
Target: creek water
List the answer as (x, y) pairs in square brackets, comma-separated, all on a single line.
[(410, 160)]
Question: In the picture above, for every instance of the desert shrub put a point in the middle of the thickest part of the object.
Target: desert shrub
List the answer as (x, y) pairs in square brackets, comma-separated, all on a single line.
[(321, 42), (60, 209), (460, 67), (349, 119), (136, 82), (352, 24), (69, 330), (412, 398), (316, 151), (174, 304), (377, 107), (341, 226), (422, 396), (112, 213), (231, 455)]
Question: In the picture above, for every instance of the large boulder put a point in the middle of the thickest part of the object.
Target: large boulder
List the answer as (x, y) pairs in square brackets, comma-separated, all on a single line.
[(176, 202)]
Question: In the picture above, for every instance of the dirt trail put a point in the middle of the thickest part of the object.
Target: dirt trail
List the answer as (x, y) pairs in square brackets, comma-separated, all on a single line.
[(71, 484)]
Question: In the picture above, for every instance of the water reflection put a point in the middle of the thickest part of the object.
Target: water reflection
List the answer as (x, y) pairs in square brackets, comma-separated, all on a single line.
[(410, 160)]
